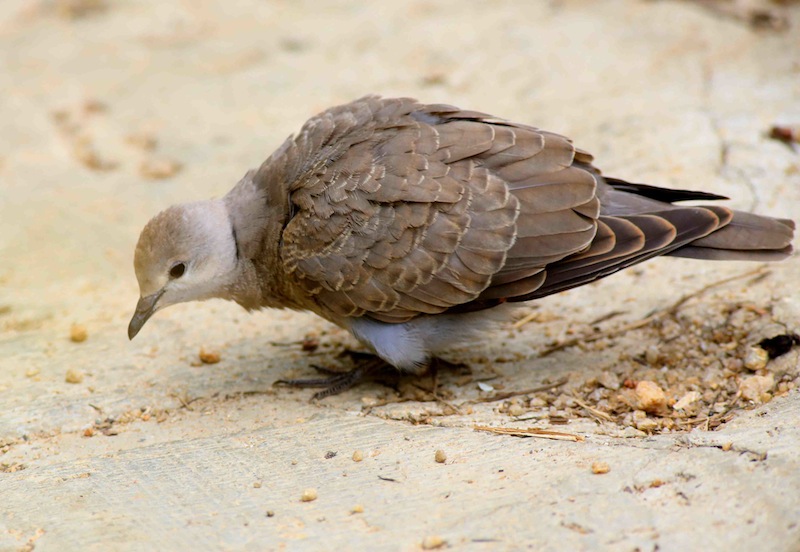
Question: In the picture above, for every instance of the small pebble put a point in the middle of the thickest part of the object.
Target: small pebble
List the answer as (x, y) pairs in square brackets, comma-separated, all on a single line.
[(650, 396), (358, 456), (609, 380), (651, 355), (538, 402), (208, 356), (440, 456), (308, 495), (270, 513), (754, 388), (357, 509), (687, 400), (73, 376), (310, 343), (78, 333), (756, 359), (516, 410), (727, 446), (647, 424), (257, 485), (485, 387), (600, 467), (432, 542)]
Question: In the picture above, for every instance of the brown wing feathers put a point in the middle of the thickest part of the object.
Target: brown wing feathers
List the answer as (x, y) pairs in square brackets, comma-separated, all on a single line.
[(636, 238), (402, 209)]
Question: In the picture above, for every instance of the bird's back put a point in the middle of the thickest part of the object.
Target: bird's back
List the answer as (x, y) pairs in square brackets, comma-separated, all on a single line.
[(397, 209)]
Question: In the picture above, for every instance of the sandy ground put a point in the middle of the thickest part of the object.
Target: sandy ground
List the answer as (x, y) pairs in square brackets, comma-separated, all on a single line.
[(113, 110)]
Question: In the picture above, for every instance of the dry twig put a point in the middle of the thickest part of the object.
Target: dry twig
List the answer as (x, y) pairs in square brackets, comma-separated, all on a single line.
[(531, 432), (507, 395)]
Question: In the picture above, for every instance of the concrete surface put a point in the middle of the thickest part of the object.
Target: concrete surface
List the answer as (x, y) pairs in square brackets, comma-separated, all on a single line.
[(151, 449)]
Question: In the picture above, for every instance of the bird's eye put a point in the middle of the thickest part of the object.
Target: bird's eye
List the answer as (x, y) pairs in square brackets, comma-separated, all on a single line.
[(177, 270)]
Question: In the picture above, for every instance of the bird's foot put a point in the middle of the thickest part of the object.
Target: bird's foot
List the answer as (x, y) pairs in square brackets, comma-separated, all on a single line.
[(337, 382), (368, 367)]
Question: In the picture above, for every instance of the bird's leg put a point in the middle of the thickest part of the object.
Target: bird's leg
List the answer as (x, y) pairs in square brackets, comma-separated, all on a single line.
[(356, 355), (367, 366), (436, 364)]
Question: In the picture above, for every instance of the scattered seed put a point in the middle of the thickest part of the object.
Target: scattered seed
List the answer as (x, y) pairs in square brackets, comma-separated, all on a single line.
[(756, 359), (73, 376), (432, 542), (209, 356), (650, 396), (440, 456), (358, 456), (308, 495), (600, 467), (78, 333)]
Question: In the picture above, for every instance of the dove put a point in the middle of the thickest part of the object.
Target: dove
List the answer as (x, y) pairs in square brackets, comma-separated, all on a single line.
[(413, 225)]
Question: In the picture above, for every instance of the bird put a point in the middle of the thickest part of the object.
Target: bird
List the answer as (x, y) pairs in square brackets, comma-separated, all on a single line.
[(414, 226)]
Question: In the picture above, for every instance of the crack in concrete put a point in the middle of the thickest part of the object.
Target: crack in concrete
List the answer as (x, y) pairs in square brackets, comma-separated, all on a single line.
[(755, 455)]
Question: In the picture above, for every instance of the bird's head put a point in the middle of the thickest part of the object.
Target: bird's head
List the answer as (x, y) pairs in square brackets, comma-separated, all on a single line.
[(186, 253)]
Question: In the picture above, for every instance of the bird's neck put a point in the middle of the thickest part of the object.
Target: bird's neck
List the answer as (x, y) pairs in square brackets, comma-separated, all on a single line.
[(258, 209)]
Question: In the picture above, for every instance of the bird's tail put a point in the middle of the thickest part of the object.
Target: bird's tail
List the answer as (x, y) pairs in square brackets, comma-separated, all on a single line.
[(738, 235), (747, 237)]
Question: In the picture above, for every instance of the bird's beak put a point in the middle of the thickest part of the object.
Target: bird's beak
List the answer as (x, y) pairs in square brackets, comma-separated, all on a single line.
[(144, 310)]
